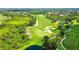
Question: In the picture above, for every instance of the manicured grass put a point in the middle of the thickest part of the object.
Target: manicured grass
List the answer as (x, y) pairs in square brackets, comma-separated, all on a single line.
[(16, 22), (72, 40), (43, 21), (37, 32)]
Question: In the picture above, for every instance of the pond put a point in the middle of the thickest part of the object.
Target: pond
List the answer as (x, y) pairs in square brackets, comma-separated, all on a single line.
[(35, 47)]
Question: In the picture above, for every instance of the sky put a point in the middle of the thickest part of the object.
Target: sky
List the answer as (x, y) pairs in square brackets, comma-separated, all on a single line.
[(39, 3)]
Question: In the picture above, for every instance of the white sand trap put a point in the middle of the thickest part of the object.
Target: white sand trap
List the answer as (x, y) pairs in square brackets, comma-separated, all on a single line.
[(48, 31)]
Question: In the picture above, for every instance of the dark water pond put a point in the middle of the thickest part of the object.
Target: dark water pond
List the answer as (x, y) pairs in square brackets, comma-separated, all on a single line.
[(34, 47)]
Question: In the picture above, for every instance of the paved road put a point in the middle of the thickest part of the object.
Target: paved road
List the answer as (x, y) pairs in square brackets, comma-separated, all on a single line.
[(61, 42)]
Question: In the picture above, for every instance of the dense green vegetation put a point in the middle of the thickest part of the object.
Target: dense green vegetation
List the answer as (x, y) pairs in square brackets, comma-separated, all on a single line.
[(72, 38)]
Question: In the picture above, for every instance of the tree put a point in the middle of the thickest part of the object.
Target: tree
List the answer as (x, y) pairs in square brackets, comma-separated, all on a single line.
[(47, 45), (32, 21)]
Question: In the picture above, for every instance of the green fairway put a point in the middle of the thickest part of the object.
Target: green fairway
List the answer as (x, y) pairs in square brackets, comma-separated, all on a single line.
[(37, 32), (16, 22), (43, 21)]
